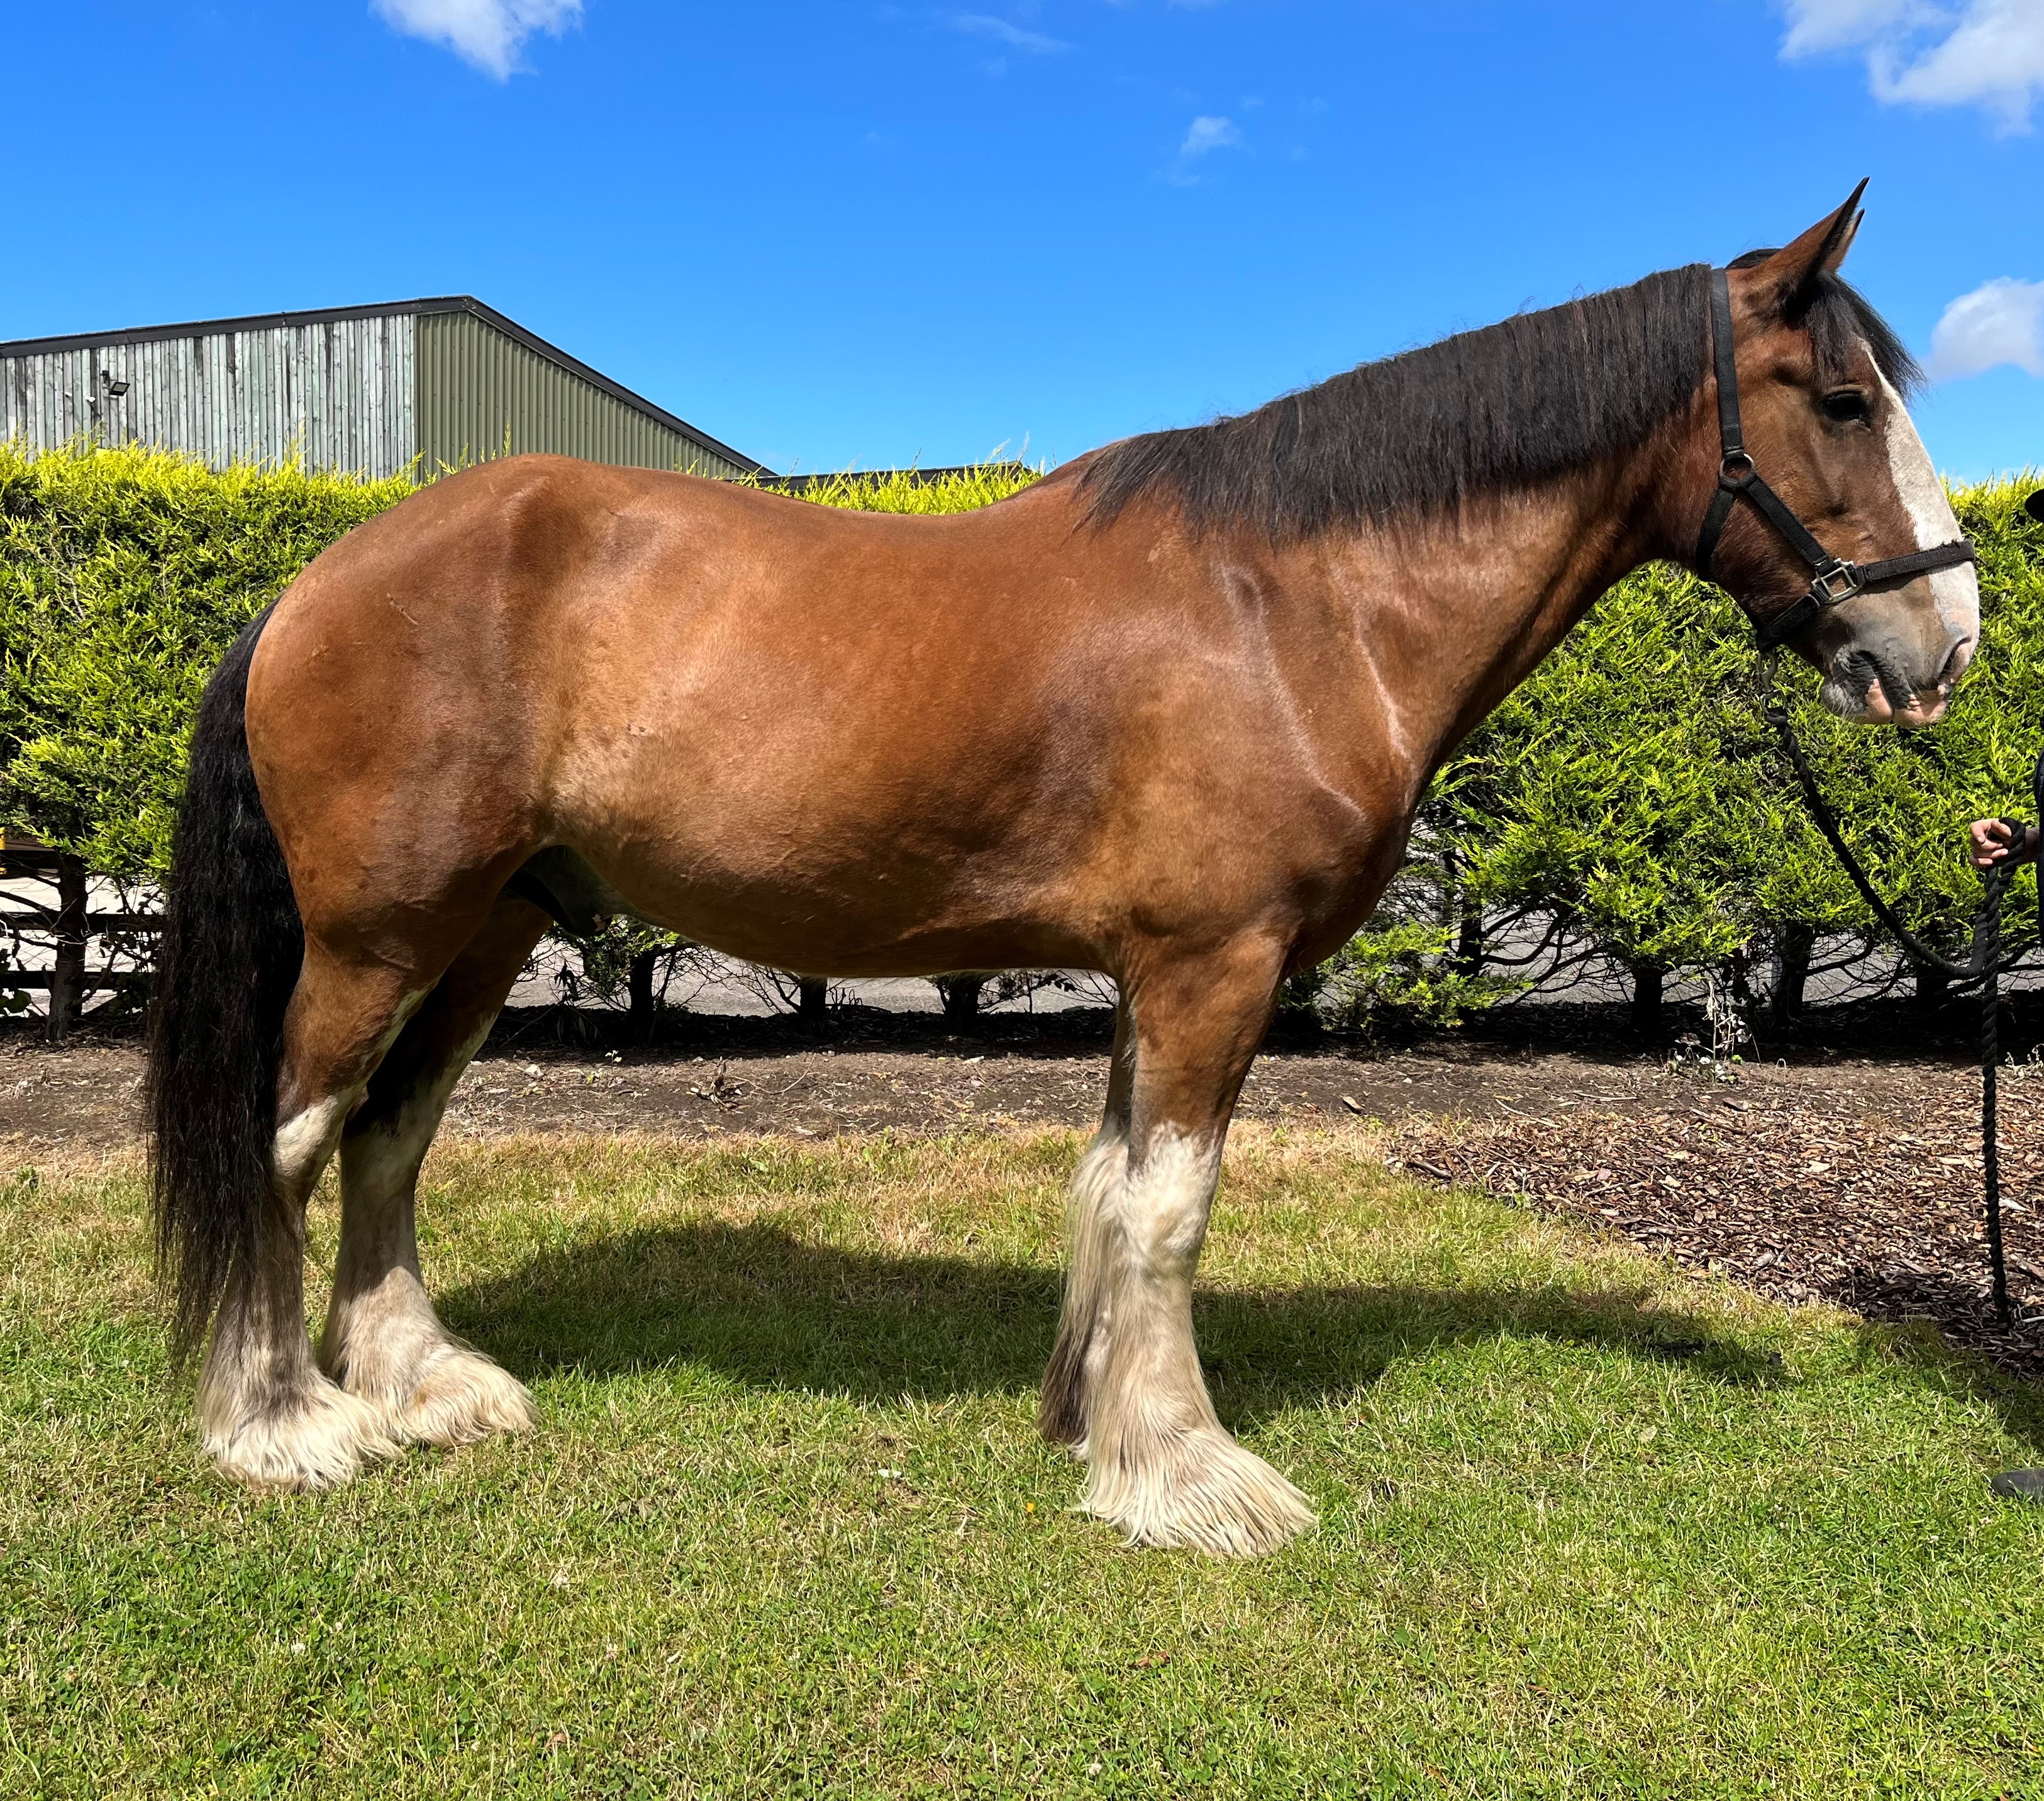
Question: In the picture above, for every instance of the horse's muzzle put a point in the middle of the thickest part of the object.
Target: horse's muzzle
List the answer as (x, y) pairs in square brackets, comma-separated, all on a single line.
[(1872, 686)]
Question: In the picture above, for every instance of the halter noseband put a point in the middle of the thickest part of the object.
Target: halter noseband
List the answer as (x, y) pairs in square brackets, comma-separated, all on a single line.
[(1832, 578)]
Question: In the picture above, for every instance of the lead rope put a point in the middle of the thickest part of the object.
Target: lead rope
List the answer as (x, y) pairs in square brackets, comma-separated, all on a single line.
[(1986, 966), (1987, 947)]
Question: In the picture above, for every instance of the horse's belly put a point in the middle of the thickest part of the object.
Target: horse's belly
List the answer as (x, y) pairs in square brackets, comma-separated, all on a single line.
[(834, 869), (871, 918)]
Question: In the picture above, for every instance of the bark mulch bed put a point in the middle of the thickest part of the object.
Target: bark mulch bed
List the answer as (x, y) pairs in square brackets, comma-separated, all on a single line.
[(1853, 1178), (1793, 1192)]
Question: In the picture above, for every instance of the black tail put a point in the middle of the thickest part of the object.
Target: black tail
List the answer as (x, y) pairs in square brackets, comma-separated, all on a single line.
[(231, 945)]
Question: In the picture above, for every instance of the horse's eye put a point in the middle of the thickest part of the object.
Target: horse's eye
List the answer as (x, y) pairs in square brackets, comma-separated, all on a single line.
[(1847, 406)]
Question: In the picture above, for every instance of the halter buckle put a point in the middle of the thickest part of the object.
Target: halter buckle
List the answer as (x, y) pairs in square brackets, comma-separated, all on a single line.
[(1835, 581)]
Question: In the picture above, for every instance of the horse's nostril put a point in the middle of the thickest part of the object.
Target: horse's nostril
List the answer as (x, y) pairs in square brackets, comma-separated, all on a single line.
[(1960, 654), (1860, 670)]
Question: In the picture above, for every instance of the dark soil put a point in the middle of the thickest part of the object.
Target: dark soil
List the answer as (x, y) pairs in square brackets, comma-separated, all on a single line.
[(1846, 1167), (862, 1073)]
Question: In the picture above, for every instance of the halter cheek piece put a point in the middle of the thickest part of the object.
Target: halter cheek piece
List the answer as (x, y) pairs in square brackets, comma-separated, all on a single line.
[(1832, 578)]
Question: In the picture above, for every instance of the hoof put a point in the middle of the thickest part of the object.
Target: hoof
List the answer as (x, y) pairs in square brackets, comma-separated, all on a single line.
[(460, 1398), (315, 1436), (1200, 1491)]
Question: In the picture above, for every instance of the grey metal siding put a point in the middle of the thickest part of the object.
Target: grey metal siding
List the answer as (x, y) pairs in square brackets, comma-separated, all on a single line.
[(481, 394), (337, 393)]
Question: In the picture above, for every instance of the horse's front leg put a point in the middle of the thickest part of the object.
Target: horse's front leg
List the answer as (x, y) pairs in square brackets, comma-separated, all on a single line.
[(1124, 1386)]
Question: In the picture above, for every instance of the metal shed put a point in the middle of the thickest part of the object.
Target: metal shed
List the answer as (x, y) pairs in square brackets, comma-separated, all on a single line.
[(367, 389)]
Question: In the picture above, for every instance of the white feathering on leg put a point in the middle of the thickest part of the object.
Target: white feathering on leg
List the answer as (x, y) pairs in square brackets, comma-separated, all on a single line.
[(267, 1417), (1083, 1322), (384, 1343), (1161, 1466)]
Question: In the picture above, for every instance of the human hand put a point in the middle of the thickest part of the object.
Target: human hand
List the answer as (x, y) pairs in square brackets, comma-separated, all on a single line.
[(1990, 842)]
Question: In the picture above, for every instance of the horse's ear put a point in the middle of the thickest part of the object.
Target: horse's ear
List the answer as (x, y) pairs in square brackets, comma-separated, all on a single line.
[(1818, 251)]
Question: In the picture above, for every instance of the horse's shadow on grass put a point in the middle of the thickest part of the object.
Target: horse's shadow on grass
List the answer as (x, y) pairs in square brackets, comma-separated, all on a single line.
[(769, 1311)]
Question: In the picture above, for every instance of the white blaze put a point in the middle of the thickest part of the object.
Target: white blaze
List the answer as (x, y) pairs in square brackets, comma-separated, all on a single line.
[(1956, 591)]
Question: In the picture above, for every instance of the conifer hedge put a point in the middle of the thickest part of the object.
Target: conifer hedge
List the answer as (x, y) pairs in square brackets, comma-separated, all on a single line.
[(1628, 790), (1631, 785), (125, 574)]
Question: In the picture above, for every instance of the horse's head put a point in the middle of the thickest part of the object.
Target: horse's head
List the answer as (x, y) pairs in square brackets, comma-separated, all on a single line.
[(1820, 385)]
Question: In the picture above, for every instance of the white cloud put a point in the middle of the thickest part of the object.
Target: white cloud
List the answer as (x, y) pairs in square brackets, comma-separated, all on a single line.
[(981, 25), (1981, 52), (2000, 321), (485, 32), (1208, 133), (1818, 25), (1995, 56)]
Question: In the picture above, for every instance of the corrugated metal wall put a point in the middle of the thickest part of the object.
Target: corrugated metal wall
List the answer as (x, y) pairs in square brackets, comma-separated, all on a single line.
[(483, 394), (338, 393)]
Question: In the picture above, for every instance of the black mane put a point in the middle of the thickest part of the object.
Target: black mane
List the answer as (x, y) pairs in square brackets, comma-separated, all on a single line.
[(1504, 407)]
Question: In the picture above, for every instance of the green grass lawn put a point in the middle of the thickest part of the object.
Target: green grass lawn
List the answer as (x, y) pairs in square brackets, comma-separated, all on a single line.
[(1588, 1527)]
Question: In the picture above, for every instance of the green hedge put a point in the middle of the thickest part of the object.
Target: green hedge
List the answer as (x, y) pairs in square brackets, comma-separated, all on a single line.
[(1628, 788), (125, 574), (1631, 784)]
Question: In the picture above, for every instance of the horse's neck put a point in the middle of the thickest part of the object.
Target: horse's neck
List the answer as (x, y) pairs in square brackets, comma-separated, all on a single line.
[(1450, 615)]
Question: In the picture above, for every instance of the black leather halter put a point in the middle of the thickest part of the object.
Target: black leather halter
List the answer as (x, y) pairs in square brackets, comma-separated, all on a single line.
[(1832, 578)]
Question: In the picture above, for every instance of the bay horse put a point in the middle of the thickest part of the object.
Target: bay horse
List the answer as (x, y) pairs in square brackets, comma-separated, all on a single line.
[(1166, 714)]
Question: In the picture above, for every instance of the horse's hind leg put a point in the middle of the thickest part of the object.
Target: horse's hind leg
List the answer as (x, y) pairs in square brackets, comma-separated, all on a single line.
[(383, 1342), (268, 1416), (1125, 1378)]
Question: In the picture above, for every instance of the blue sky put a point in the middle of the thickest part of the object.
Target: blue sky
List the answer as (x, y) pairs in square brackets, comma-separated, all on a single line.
[(838, 234)]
